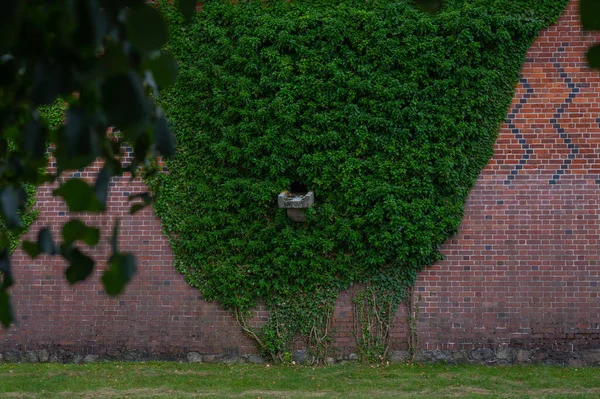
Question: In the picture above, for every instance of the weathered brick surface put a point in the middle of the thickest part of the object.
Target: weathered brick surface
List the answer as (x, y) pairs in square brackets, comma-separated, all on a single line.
[(523, 270)]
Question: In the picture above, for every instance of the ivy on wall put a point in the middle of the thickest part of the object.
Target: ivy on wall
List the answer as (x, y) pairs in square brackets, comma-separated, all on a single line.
[(387, 114)]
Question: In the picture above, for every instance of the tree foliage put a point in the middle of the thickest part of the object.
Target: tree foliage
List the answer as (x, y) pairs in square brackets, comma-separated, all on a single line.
[(387, 113), (103, 60), (589, 11)]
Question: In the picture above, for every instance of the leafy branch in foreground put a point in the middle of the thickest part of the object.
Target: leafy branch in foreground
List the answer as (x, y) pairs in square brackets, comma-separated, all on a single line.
[(589, 12), (104, 60)]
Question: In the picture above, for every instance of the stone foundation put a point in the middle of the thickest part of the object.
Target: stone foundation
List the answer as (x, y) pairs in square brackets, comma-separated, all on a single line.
[(479, 356)]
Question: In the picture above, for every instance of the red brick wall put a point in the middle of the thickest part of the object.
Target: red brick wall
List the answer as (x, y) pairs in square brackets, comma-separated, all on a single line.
[(158, 313), (525, 266), (523, 270)]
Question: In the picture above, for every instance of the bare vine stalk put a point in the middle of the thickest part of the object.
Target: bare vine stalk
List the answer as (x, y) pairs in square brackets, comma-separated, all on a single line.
[(242, 320), (318, 339), (374, 316), (412, 318)]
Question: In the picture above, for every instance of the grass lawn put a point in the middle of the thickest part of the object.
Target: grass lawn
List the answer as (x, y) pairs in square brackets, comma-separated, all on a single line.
[(185, 380)]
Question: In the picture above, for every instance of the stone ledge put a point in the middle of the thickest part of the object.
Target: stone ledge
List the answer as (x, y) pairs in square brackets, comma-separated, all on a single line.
[(295, 201)]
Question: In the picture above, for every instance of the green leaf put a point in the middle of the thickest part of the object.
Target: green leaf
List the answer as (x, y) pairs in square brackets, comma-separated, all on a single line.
[(46, 82), (117, 5), (164, 69), (141, 148), (102, 185), (124, 101), (112, 282), (145, 197), (75, 230), (89, 30), (92, 236), (5, 239), (31, 248), (45, 242), (8, 71), (114, 60), (72, 231), (6, 311), (114, 238), (81, 266), (126, 264), (146, 29), (10, 21), (121, 270), (135, 208), (11, 133), (6, 272), (589, 11), (187, 8), (10, 205), (34, 139), (121, 267), (163, 138), (79, 196), (76, 146), (593, 56)]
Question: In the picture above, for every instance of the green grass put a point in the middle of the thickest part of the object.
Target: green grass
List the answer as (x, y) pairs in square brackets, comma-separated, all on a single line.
[(184, 380)]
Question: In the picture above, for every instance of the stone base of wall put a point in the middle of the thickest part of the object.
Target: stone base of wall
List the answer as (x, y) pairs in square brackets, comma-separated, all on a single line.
[(504, 356), (480, 356)]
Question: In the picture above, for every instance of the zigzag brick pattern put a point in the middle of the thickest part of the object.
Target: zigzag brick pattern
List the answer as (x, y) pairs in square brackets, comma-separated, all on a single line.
[(524, 269)]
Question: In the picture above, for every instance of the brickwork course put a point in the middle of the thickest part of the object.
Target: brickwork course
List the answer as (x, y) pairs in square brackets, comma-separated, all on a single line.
[(522, 272)]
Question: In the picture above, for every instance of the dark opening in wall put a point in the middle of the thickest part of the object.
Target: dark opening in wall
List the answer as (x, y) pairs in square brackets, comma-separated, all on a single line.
[(298, 188)]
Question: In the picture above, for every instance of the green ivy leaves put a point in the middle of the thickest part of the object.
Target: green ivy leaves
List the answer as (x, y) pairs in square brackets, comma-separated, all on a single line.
[(382, 110)]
